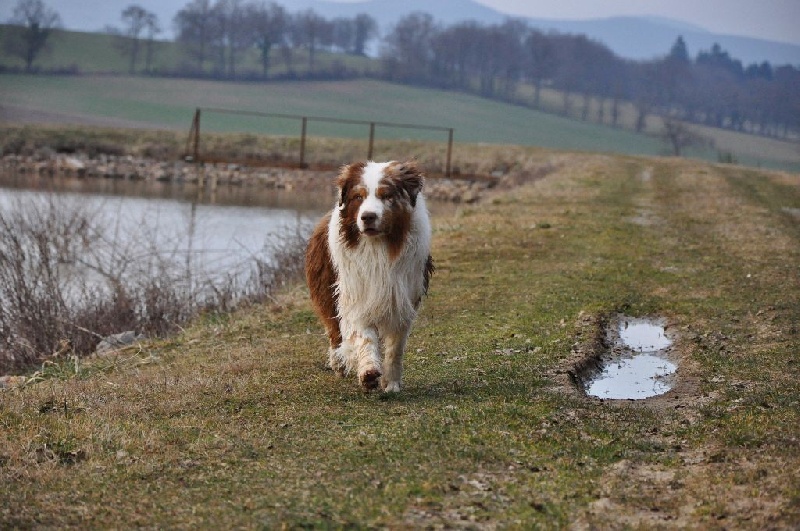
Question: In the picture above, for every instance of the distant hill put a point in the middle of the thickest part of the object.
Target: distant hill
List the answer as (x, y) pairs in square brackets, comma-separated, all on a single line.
[(646, 38), (629, 37)]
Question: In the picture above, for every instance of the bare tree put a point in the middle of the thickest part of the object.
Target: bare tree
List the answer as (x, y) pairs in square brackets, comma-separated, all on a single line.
[(235, 33), (270, 24), (136, 20), (343, 33), (32, 22), (408, 49), (366, 28), (217, 37), (454, 50), (193, 26), (680, 137), (310, 31), (541, 62), (153, 28)]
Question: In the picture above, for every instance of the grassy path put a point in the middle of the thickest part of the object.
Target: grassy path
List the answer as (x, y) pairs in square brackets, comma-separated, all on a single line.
[(236, 422)]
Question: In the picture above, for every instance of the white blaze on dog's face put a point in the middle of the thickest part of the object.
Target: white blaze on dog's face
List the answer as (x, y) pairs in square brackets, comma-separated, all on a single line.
[(371, 212), (376, 202), (368, 267)]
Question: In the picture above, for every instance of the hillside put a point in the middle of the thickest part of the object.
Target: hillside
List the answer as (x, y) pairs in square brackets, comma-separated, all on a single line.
[(144, 102), (76, 52), (235, 423)]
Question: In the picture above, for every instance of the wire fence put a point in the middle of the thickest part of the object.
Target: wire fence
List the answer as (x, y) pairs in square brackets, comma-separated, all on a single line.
[(194, 152)]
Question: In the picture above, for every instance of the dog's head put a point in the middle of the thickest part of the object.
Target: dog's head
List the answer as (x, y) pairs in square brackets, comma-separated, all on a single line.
[(377, 199)]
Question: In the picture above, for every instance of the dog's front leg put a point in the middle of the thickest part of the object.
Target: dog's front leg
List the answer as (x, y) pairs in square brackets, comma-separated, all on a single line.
[(395, 345), (368, 358)]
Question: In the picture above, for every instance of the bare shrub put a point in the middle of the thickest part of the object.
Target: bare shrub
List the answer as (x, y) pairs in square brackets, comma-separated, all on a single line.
[(67, 279)]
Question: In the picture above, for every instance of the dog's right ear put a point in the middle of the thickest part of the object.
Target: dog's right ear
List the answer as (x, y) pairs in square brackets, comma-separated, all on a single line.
[(348, 176)]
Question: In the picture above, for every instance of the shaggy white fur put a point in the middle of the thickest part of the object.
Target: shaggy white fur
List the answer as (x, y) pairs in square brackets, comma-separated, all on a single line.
[(378, 296)]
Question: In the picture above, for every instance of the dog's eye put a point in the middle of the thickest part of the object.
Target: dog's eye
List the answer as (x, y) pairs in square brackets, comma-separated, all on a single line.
[(386, 194)]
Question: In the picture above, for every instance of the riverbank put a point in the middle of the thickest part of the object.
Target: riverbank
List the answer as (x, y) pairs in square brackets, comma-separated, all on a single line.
[(132, 168)]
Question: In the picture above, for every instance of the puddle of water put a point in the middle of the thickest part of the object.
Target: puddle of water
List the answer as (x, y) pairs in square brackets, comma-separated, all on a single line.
[(639, 367), (637, 377), (643, 336)]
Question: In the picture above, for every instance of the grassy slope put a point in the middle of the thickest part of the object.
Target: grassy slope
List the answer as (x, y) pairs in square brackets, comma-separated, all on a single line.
[(236, 423), (102, 53), (170, 103)]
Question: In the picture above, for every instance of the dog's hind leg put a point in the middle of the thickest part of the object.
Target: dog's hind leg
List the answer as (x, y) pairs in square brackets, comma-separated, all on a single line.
[(394, 346), (337, 356)]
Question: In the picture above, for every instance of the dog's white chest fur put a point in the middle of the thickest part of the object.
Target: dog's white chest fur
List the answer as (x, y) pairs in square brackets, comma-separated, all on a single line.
[(373, 289), (368, 267)]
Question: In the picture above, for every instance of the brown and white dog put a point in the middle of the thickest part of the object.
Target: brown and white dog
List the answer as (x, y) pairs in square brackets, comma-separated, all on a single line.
[(368, 265)]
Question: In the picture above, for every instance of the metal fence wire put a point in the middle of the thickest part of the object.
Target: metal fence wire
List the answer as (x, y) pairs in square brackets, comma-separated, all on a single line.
[(192, 151)]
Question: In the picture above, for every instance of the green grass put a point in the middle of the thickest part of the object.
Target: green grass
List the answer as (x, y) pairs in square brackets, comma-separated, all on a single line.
[(170, 103), (235, 423)]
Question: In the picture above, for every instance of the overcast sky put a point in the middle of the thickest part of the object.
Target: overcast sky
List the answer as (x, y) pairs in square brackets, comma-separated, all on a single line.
[(767, 19)]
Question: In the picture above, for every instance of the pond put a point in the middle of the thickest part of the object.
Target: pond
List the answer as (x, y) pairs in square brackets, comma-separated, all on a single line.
[(215, 233)]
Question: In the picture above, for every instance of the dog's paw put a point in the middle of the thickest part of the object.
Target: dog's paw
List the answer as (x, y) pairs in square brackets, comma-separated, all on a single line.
[(392, 387), (370, 379), (338, 369), (336, 363)]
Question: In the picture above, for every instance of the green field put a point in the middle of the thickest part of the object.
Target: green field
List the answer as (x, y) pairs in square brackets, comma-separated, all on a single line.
[(170, 103)]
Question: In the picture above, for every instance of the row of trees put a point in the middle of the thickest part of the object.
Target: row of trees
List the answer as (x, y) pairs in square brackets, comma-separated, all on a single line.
[(214, 36), (495, 61), (139, 25), (219, 34)]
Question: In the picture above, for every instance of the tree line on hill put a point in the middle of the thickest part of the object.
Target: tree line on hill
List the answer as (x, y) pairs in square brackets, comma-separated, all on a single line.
[(494, 61)]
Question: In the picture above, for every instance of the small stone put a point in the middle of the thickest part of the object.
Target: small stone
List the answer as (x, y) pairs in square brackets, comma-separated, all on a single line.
[(117, 341)]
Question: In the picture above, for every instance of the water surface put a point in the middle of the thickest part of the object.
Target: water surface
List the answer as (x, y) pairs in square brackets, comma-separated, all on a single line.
[(638, 365)]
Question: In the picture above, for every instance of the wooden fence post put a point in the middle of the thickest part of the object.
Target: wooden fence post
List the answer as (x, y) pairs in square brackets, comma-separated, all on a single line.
[(371, 139), (196, 148), (449, 152), (303, 141)]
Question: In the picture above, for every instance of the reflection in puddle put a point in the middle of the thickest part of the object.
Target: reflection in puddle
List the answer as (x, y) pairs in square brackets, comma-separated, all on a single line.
[(642, 336), (638, 367)]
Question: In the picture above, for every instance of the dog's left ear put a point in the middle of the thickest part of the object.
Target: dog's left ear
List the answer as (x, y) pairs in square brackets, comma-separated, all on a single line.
[(410, 179)]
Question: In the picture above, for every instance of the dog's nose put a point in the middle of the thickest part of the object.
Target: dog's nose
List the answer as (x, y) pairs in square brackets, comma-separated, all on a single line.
[(369, 218)]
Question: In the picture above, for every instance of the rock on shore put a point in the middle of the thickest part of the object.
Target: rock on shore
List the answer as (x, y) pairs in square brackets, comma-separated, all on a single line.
[(137, 168)]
